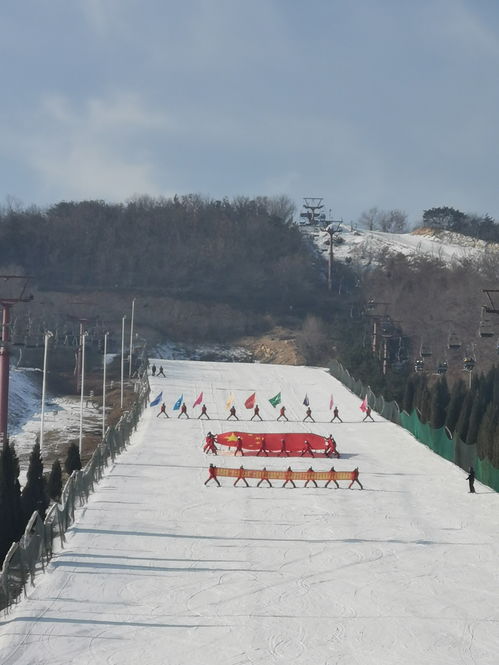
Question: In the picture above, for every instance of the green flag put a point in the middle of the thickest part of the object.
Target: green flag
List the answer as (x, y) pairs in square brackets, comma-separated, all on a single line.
[(275, 400)]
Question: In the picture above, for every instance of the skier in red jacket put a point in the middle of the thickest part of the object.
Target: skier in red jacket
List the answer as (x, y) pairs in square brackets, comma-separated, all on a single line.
[(284, 450), (232, 413), (336, 415), (265, 476), (239, 447), (163, 411), (356, 479), (307, 449), (212, 471), (209, 446), (263, 448), (309, 479), (288, 478), (282, 413), (183, 411), (330, 448), (241, 476), (204, 413), (332, 470), (256, 413), (308, 415)]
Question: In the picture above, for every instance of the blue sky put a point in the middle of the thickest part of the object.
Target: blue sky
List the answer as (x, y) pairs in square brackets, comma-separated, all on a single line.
[(387, 103)]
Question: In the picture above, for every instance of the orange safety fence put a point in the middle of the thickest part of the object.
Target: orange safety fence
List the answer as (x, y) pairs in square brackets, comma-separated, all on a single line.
[(284, 475)]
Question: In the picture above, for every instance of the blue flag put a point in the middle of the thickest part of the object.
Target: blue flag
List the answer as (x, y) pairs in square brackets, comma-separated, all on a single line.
[(306, 400), (178, 403), (157, 399)]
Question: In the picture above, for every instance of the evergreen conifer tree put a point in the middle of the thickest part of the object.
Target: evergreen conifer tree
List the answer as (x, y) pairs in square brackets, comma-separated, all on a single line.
[(455, 405), (425, 408), (461, 428), (11, 517), (439, 401), (34, 494), (73, 461), (478, 409), (485, 437), (54, 485), (409, 394)]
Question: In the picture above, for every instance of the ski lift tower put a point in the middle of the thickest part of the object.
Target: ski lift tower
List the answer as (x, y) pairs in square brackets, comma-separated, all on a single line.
[(312, 207), (12, 291)]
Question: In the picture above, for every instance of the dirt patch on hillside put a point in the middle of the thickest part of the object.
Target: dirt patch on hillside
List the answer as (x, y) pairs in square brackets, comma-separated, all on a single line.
[(278, 346)]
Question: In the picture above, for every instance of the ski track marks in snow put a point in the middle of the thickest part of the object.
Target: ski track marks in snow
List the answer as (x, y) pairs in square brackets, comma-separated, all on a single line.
[(160, 569)]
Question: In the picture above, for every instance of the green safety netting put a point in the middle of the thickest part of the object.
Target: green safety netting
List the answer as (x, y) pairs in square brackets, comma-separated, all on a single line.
[(439, 440)]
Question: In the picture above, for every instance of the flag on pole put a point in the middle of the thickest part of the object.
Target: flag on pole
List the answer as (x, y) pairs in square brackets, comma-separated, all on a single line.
[(178, 403), (306, 401), (363, 405), (331, 402), (157, 399), (229, 402), (199, 399), (275, 400), (250, 402)]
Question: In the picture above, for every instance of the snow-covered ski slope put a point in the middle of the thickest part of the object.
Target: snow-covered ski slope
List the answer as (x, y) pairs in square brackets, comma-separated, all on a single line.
[(161, 570)]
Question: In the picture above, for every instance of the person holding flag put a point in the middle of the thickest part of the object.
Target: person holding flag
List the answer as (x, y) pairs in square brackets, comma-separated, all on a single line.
[(183, 411), (282, 413), (256, 413), (232, 413), (204, 412), (368, 414), (308, 415), (163, 411), (336, 415)]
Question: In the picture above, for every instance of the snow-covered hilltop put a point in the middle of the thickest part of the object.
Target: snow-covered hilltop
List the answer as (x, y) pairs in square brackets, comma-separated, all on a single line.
[(363, 246)]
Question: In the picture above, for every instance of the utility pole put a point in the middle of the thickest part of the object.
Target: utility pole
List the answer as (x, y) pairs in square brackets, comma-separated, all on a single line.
[(10, 283), (331, 230)]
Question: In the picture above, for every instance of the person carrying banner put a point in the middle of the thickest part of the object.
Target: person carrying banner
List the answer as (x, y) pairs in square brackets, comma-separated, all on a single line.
[(209, 446), (330, 447), (336, 415), (204, 412), (308, 415), (239, 447), (183, 411), (212, 475), (356, 479), (256, 413), (310, 480), (232, 413), (368, 414), (284, 450), (263, 448), (163, 411), (265, 476), (332, 470), (307, 449), (289, 478), (241, 476), (282, 413)]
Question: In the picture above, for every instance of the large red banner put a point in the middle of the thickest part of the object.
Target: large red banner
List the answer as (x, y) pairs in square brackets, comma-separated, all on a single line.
[(295, 443)]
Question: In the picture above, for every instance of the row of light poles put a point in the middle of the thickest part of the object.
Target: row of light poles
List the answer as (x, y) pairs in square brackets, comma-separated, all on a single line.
[(48, 335)]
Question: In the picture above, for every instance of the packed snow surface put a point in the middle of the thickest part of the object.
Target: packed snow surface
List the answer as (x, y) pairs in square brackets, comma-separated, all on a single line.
[(159, 569)]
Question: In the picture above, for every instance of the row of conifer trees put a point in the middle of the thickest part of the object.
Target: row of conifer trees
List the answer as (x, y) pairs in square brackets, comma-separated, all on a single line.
[(471, 413), (16, 504)]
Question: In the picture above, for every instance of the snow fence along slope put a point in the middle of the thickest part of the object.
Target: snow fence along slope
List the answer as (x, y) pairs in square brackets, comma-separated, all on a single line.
[(160, 569)]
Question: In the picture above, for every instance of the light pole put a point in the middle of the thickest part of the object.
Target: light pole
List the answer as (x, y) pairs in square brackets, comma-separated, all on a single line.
[(131, 340), (48, 335), (122, 357), (104, 371), (82, 381)]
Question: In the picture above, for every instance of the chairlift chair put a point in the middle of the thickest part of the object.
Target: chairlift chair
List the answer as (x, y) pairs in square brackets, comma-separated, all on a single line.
[(425, 351), (419, 365), (454, 342), (469, 364), (442, 367)]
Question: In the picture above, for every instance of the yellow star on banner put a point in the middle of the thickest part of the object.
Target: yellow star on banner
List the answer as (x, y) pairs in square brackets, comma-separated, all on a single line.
[(232, 437)]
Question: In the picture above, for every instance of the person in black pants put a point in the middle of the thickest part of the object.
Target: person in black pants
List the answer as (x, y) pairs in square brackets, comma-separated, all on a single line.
[(471, 480)]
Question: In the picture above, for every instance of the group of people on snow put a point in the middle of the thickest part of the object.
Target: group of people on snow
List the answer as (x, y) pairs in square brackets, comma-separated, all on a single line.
[(288, 477)]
